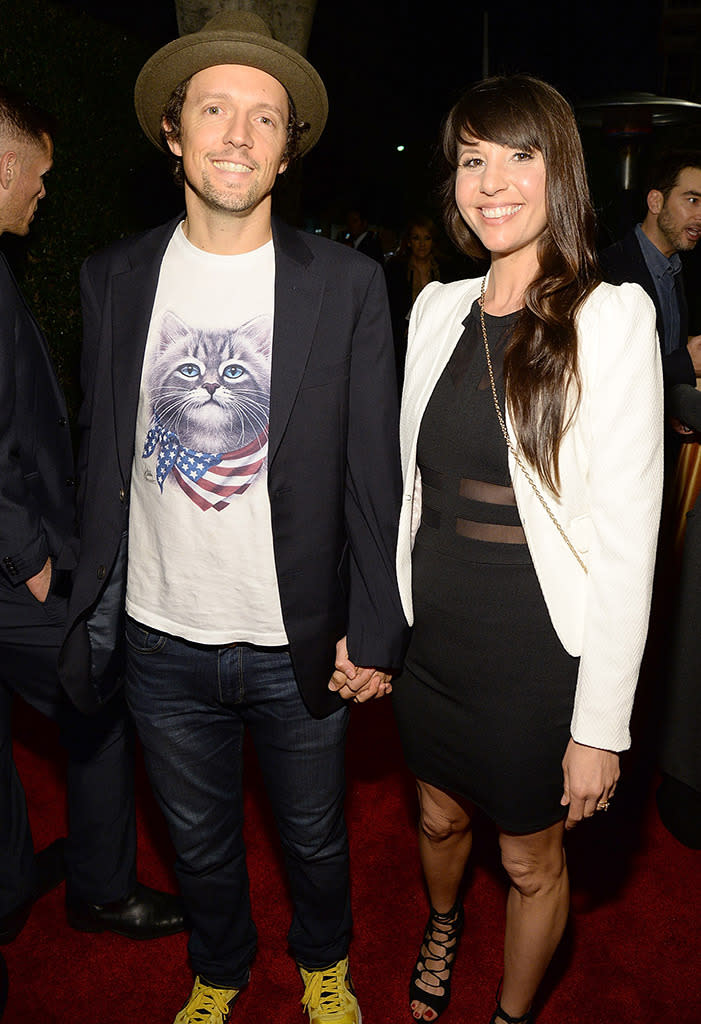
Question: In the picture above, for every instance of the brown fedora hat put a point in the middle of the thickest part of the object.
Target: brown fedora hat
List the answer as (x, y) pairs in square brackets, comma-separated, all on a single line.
[(231, 37)]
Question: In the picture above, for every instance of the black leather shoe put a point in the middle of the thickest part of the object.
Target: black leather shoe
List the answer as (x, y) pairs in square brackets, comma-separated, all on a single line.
[(50, 872), (145, 914)]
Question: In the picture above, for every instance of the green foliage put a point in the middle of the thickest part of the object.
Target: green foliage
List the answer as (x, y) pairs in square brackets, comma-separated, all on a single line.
[(100, 188)]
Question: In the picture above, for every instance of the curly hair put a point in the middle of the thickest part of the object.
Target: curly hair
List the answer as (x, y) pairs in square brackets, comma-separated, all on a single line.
[(541, 371)]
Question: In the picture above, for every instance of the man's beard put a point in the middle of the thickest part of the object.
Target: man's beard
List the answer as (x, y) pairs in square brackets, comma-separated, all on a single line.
[(674, 235), (228, 201)]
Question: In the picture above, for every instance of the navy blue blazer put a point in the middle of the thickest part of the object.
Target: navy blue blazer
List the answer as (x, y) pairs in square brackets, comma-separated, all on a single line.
[(333, 464), (624, 261), (37, 487)]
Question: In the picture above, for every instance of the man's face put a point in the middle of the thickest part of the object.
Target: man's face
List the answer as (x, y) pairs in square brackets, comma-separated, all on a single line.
[(233, 134), (25, 181), (356, 223), (679, 218)]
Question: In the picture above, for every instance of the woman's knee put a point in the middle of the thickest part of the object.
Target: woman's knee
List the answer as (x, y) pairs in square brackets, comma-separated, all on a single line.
[(533, 866), (440, 816)]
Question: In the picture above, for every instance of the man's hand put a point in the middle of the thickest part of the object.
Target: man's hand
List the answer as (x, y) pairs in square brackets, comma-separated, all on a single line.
[(694, 347), (354, 683), (590, 777), (680, 428), (39, 585)]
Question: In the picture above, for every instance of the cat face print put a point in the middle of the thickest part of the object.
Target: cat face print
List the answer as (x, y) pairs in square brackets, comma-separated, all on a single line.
[(211, 386)]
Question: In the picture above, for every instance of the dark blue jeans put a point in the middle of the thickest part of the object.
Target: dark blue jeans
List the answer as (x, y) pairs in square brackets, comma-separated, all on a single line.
[(191, 704)]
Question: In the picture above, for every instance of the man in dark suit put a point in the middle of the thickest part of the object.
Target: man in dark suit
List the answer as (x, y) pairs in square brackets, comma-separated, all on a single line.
[(362, 237), (240, 431), (649, 256), (37, 552)]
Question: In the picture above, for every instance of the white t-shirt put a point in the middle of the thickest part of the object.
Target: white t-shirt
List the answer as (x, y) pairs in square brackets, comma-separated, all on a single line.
[(201, 562)]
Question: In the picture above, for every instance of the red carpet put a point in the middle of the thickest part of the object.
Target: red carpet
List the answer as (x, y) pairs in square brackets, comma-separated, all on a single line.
[(631, 953)]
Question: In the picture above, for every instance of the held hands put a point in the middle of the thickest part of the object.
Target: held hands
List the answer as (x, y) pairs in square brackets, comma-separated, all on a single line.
[(590, 777), (39, 584), (354, 683)]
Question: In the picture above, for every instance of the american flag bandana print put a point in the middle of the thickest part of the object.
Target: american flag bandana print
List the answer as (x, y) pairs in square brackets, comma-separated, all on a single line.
[(210, 480)]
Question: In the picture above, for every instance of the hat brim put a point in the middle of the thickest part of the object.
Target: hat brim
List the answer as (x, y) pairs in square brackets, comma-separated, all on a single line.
[(184, 57)]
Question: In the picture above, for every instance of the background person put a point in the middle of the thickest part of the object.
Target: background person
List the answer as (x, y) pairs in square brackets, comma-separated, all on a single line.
[(649, 255), (37, 553), (527, 639), (361, 236), (408, 272)]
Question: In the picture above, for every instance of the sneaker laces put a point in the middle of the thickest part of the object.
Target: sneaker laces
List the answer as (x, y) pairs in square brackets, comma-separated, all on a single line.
[(206, 1001), (326, 991)]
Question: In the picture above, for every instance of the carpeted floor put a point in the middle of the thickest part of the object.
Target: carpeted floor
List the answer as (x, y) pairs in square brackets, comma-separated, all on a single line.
[(631, 954)]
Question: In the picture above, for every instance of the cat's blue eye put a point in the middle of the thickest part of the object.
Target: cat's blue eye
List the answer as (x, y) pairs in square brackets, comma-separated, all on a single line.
[(233, 371), (189, 370)]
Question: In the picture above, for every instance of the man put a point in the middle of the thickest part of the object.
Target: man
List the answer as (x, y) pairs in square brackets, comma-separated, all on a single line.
[(240, 430), (649, 256), (36, 554), (361, 237)]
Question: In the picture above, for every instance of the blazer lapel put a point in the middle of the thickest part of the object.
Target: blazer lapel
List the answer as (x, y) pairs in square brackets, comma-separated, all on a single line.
[(444, 330), (133, 294), (299, 291)]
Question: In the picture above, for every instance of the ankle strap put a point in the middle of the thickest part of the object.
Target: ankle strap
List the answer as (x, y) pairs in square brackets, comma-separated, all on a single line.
[(455, 912), (525, 1019)]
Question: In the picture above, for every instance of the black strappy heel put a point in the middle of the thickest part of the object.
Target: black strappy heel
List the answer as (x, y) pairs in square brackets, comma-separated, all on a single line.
[(500, 1014), (527, 1018), (435, 963)]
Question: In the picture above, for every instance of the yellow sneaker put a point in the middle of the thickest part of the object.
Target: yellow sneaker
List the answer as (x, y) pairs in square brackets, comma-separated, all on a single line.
[(207, 1005), (328, 995)]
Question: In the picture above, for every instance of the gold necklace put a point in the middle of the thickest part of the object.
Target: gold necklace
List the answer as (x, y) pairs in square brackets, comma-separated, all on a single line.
[(517, 458)]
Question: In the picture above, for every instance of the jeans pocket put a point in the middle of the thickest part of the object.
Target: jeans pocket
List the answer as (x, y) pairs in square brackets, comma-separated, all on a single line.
[(142, 639)]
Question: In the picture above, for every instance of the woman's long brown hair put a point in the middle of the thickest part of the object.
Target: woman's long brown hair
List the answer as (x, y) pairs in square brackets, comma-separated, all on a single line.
[(541, 372)]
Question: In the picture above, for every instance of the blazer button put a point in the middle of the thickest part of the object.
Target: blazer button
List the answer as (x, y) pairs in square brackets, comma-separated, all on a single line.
[(121, 494), (62, 421), (101, 572), (70, 481)]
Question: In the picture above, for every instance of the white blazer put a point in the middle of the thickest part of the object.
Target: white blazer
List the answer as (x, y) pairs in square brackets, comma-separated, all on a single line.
[(610, 493)]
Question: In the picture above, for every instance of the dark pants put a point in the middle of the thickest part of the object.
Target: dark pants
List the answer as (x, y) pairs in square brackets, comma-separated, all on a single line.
[(191, 704), (101, 844)]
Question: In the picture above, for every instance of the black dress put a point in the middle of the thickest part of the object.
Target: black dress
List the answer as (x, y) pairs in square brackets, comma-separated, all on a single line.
[(484, 704)]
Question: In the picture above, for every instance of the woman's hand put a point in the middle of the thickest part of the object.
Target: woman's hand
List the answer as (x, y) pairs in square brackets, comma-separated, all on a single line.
[(590, 777), (355, 683)]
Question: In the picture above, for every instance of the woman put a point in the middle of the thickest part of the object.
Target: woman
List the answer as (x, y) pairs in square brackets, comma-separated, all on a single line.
[(529, 584), (408, 273)]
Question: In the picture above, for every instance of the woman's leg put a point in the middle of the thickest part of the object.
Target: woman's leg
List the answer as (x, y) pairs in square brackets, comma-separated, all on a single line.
[(445, 841), (536, 912)]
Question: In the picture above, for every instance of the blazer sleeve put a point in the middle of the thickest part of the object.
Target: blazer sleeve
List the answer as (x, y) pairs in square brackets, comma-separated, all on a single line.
[(622, 410), (678, 368), (23, 543), (684, 402), (377, 629)]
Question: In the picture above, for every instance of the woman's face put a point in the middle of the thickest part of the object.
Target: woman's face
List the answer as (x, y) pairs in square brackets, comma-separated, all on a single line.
[(420, 243), (500, 193)]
